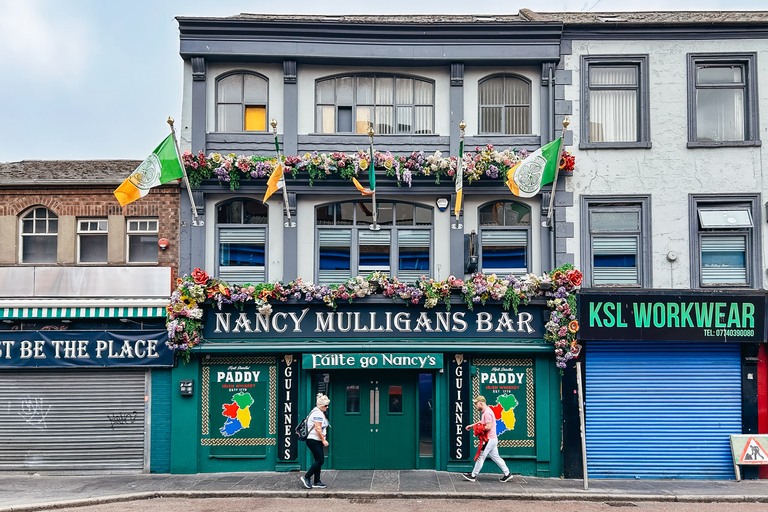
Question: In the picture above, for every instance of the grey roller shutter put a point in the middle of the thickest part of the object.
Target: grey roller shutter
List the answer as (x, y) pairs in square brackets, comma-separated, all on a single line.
[(618, 247), (243, 273), (664, 410), (335, 238), (72, 420)]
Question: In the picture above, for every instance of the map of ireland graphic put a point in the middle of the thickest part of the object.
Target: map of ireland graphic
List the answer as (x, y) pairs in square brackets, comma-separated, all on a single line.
[(238, 414), (504, 412)]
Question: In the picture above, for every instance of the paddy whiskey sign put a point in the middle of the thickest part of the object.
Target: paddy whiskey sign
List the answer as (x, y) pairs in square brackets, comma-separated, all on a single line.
[(732, 317)]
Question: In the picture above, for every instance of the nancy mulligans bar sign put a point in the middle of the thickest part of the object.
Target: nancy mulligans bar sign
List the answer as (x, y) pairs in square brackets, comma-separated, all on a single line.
[(672, 317)]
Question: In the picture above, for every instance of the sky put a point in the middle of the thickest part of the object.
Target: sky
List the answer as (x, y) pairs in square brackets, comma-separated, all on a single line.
[(96, 79)]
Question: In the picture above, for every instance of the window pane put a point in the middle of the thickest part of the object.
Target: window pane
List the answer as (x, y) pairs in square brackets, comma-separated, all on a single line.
[(720, 114), (413, 260), (93, 248), (426, 406), (142, 248), (517, 120), (255, 212), (374, 251), (615, 221), (725, 219), (38, 249), (353, 399), (255, 90), (719, 74), (384, 120), (516, 91), (404, 91), (324, 215), (53, 226), (334, 247), (255, 119), (396, 399), (364, 119), (423, 123), (504, 250), (325, 90), (241, 255), (404, 119), (41, 226), (404, 214), (344, 94), (345, 120), (345, 213), (615, 260), (724, 260), (613, 116), (28, 226), (326, 119), (491, 92), (490, 119), (230, 89), (424, 93), (229, 213), (230, 118), (505, 214), (613, 75), (423, 216), (365, 90), (384, 91), (386, 211)]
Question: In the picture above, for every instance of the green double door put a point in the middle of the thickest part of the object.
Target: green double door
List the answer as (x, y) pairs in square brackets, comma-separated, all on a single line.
[(374, 420)]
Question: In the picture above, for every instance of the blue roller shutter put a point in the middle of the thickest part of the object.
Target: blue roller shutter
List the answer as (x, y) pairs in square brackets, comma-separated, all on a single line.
[(662, 410)]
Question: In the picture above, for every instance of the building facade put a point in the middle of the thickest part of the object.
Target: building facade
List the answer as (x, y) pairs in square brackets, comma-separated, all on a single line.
[(84, 368), (664, 109)]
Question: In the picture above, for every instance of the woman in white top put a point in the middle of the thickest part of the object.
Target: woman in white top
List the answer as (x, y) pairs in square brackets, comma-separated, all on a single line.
[(317, 424)]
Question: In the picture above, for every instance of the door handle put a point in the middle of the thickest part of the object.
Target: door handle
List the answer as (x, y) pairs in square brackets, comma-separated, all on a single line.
[(377, 406), (372, 405)]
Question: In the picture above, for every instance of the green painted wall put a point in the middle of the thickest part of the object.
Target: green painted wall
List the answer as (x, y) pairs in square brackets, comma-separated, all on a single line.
[(185, 420), (160, 432)]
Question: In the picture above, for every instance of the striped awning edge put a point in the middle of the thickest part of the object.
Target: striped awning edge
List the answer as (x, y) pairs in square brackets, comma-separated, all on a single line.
[(83, 312)]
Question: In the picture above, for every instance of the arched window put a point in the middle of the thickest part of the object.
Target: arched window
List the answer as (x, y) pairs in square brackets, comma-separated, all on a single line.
[(505, 237), (391, 103), (505, 105), (39, 230), (241, 103), (347, 247), (241, 239)]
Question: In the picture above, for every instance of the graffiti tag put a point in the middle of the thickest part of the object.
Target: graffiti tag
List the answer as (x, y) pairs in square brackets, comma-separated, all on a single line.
[(122, 418), (34, 411)]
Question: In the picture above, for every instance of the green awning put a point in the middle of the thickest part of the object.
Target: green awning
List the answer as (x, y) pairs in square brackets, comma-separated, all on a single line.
[(93, 309)]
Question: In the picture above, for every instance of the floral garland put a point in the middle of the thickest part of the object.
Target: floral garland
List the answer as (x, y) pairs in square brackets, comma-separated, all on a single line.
[(184, 318), (485, 163)]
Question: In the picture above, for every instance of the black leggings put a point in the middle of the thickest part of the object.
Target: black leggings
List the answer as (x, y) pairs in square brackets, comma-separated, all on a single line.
[(316, 447)]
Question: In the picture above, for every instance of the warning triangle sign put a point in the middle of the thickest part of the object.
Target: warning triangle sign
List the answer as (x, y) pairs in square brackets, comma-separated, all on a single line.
[(753, 453)]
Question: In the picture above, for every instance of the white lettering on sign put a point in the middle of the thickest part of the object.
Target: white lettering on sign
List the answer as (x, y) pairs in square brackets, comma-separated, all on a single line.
[(238, 376), (502, 378)]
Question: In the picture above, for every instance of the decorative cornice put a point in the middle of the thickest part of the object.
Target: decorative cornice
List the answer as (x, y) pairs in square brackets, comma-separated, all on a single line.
[(457, 73), (198, 69), (289, 71)]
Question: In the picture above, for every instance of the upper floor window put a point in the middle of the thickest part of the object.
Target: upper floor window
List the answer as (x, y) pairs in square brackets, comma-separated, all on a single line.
[(241, 103), (505, 105), (391, 104), (505, 237), (348, 247), (615, 236), (615, 102), (722, 106), (39, 229), (241, 231), (92, 241), (724, 243), (142, 240)]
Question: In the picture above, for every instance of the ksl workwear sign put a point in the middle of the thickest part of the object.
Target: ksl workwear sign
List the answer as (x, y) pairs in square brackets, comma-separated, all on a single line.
[(666, 316)]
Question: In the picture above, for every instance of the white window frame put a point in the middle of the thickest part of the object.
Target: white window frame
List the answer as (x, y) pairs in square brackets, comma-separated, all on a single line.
[(87, 232), (22, 234), (129, 232)]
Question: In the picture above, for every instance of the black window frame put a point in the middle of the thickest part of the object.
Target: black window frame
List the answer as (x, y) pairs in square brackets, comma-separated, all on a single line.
[(243, 103), (640, 61), (504, 77), (644, 237), (528, 230), (748, 61), (357, 226), (753, 251), (395, 104)]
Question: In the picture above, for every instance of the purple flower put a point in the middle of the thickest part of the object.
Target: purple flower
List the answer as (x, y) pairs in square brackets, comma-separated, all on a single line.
[(492, 172)]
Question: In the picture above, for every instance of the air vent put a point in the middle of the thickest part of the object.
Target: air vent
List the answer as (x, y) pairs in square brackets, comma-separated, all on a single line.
[(611, 19), (485, 18)]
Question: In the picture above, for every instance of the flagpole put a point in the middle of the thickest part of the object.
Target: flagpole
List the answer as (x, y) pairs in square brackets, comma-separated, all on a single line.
[(195, 219), (566, 122), (372, 183), (290, 223), (459, 177)]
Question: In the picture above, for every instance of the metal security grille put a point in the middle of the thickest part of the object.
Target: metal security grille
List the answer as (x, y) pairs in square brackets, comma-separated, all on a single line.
[(72, 420), (663, 411)]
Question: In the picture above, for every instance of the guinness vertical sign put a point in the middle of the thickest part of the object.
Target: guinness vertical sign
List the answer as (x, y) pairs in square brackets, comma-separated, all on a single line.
[(287, 378), (459, 406)]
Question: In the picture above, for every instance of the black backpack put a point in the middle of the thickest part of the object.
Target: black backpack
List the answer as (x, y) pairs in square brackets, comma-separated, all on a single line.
[(303, 430)]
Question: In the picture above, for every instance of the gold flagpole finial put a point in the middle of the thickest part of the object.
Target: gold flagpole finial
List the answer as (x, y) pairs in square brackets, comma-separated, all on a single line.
[(371, 133), (170, 120), (273, 124), (566, 122), (462, 125)]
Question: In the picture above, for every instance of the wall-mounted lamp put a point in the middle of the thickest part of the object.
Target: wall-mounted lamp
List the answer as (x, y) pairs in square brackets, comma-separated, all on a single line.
[(442, 203), (187, 387), (163, 243)]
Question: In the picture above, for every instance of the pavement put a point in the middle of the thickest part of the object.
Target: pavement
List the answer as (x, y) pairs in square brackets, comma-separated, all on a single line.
[(28, 492)]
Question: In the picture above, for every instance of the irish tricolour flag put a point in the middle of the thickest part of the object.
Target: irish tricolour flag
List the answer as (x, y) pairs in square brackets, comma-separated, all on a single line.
[(526, 178), (160, 167)]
